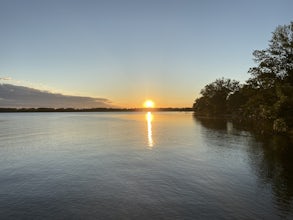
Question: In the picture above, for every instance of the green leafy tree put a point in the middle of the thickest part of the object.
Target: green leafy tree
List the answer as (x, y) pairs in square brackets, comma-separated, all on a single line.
[(272, 79), (267, 95), (275, 64), (214, 97)]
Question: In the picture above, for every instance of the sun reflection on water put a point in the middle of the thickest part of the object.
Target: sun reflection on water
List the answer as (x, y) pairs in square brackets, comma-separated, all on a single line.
[(149, 118)]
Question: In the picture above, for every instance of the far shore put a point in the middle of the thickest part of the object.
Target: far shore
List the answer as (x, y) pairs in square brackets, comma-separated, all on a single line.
[(7, 110)]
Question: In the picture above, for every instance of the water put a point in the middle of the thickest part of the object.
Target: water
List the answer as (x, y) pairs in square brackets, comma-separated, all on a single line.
[(140, 166)]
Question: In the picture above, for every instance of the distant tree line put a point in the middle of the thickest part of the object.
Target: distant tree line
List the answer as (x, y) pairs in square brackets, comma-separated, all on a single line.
[(266, 96), (7, 110)]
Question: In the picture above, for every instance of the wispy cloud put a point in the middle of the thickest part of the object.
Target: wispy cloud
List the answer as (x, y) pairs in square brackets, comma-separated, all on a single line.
[(5, 78), (14, 96)]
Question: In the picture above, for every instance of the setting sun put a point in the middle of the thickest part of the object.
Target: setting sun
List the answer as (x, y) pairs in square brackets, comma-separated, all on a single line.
[(149, 104)]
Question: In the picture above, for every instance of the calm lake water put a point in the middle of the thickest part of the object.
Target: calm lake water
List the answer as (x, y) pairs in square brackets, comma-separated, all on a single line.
[(140, 166)]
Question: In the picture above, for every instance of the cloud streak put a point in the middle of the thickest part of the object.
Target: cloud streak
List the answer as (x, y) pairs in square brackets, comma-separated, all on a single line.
[(5, 78), (12, 96)]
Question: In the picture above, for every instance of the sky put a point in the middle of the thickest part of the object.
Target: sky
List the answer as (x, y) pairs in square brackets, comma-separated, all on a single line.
[(127, 51)]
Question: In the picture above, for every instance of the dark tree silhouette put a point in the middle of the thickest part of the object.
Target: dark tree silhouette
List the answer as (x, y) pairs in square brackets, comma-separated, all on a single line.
[(267, 95), (214, 97), (276, 62), (272, 80)]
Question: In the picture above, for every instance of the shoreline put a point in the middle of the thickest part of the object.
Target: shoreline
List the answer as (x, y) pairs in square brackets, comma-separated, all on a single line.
[(16, 110), (250, 124)]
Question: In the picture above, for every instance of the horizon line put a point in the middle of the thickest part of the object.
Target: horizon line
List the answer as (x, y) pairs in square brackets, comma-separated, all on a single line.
[(101, 109)]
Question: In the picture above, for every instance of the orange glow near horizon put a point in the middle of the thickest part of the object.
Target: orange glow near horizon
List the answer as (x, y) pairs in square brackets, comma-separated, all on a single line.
[(149, 104)]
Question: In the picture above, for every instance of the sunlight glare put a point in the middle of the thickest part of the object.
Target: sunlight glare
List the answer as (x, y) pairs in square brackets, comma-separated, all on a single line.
[(149, 104), (149, 118)]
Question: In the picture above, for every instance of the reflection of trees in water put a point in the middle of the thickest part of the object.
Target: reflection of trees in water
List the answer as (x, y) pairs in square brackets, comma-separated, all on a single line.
[(222, 126), (213, 123), (271, 158)]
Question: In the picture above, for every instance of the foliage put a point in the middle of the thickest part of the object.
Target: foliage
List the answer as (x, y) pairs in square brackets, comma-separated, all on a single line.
[(214, 97), (267, 95)]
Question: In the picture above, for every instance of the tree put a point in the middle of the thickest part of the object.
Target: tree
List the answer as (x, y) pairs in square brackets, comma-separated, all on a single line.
[(267, 95), (214, 97), (272, 79), (275, 64)]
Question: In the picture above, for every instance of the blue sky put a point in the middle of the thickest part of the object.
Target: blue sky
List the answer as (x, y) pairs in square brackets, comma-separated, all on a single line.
[(130, 50)]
